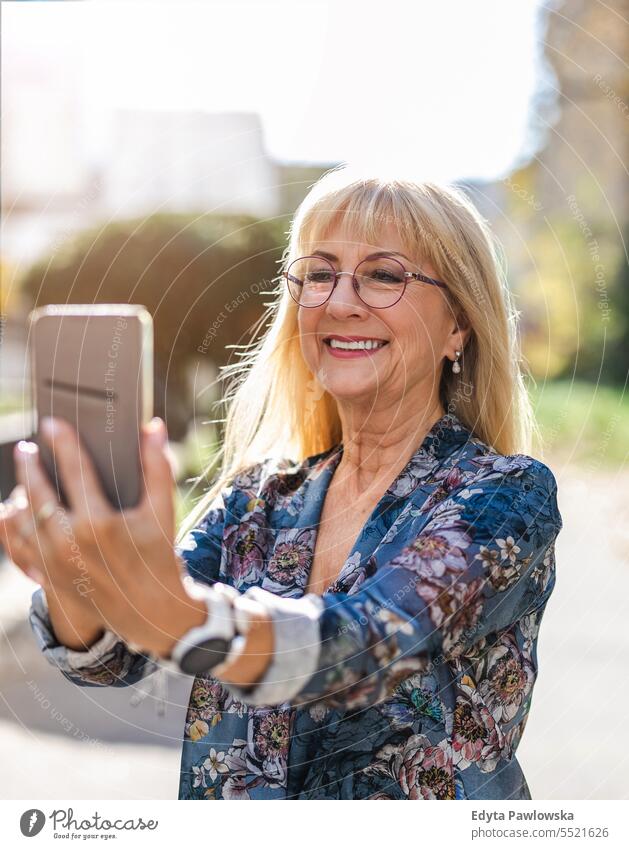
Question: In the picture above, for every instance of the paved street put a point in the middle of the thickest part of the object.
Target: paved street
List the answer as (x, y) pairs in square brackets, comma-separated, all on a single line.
[(573, 746), (60, 741)]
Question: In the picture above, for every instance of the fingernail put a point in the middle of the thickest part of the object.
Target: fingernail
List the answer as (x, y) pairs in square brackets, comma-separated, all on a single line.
[(25, 447), (157, 431)]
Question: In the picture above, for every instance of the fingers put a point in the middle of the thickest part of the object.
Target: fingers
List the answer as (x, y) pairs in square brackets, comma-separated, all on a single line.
[(76, 468), (34, 485), (32, 493), (19, 550), (17, 496), (157, 473)]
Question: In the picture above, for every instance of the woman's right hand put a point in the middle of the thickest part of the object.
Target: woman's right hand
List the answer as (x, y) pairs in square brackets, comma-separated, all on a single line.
[(74, 619), (103, 569)]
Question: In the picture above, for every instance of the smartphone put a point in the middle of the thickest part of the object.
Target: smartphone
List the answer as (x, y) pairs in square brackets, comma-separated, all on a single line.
[(92, 364)]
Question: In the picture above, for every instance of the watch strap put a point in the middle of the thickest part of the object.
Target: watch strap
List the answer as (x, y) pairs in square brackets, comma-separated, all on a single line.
[(219, 626), (205, 657), (236, 649)]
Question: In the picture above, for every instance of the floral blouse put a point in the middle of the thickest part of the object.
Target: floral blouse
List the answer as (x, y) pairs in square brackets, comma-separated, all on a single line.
[(411, 677)]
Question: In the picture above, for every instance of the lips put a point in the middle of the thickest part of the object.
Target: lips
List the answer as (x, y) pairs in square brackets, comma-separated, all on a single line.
[(353, 338), (345, 347)]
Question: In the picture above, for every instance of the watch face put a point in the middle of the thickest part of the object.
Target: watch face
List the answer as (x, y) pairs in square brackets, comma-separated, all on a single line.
[(205, 656)]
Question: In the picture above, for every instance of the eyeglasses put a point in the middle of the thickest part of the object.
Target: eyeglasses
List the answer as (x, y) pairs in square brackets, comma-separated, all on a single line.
[(379, 282)]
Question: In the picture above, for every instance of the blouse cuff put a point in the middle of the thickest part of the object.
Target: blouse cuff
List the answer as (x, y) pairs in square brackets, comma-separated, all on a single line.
[(68, 660), (297, 645)]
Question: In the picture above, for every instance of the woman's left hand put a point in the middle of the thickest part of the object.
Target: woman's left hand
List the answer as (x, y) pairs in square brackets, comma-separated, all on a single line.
[(127, 564)]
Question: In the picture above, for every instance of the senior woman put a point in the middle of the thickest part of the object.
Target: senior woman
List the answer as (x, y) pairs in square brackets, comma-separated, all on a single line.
[(359, 594)]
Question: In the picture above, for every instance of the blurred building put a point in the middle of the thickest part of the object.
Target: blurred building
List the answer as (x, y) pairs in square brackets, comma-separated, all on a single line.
[(561, 217), (586, 45), (188, 161), (45, 171), (42, 143)]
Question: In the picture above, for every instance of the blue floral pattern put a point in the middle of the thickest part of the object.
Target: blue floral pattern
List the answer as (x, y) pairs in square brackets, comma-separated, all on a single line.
[(426, 642)]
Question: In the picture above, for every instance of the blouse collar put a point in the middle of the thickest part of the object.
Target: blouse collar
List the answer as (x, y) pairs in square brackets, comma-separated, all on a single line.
[(444, 437)]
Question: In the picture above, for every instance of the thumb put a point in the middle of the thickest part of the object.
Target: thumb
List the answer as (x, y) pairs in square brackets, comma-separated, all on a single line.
[(157, 470)]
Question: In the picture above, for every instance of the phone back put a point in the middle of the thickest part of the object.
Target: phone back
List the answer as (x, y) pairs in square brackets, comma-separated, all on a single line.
[(92, 365)]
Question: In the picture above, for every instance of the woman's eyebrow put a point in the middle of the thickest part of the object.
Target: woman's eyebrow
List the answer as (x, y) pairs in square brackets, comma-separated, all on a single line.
[(375, 255)]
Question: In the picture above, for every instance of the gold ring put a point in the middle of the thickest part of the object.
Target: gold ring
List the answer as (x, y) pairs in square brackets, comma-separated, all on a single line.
[(45, 511)]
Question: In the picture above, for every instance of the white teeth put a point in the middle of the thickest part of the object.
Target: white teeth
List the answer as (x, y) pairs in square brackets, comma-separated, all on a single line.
[(367, 345)]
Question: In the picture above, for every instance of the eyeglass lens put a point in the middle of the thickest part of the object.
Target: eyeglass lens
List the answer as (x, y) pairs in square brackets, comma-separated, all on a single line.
[(380, 282)]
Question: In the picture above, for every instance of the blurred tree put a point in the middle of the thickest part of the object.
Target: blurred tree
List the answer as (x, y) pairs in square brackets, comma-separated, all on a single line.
[(581, 175), (618, 357), (200, 277), (564, 212), (570, 296), (7, 283)]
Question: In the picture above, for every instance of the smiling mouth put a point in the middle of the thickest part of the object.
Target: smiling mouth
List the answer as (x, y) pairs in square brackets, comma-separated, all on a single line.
[(355, 345)]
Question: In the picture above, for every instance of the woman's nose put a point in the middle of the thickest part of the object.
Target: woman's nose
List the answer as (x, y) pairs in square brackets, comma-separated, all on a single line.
[(344, 296)]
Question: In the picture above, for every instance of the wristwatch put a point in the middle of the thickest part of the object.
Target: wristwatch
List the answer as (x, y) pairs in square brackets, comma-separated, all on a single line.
[(216, 643)]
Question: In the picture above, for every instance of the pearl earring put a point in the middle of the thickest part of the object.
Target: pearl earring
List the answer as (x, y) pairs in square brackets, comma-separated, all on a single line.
[(456, 368)]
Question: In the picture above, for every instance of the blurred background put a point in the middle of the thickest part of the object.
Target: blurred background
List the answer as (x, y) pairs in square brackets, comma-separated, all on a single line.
[(154, 153)]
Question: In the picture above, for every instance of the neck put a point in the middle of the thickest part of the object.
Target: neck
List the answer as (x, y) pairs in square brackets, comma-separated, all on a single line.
[(377, 447)]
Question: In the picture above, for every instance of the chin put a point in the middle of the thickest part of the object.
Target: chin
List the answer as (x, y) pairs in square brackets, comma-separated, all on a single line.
[(346, 389)]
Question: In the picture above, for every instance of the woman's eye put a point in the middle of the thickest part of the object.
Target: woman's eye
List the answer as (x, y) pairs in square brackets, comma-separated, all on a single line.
[(318, 277), (384, 276)]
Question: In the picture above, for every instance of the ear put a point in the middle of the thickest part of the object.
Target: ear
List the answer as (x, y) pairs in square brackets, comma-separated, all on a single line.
[(460, 330)]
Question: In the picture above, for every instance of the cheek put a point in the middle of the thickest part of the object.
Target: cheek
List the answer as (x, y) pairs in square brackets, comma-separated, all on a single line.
[(307, 321), (409, 326), (417, 328)]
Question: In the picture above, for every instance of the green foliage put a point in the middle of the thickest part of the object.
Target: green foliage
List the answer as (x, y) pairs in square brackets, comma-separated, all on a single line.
[(11, 404), (583, 423), (568, 272), (617, 360)]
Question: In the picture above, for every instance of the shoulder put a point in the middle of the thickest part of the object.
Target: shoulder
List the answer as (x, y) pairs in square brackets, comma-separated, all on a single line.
[(514, 468), (469, 459), (477, 461), (498, 486)]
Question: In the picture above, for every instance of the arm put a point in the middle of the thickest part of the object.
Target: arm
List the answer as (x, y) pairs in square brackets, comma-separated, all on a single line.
[(109, 661), (73, 622), (483, 561), (106, 662)]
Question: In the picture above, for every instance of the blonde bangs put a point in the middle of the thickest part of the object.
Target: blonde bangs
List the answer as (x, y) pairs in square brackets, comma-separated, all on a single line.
[(358, 213)]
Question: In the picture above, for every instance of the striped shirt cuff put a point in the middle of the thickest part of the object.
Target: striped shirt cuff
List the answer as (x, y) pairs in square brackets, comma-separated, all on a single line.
[(68, 660), (297, 645)]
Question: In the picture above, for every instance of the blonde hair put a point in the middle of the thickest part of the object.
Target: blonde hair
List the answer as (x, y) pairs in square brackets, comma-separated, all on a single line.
[(273, 401)]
